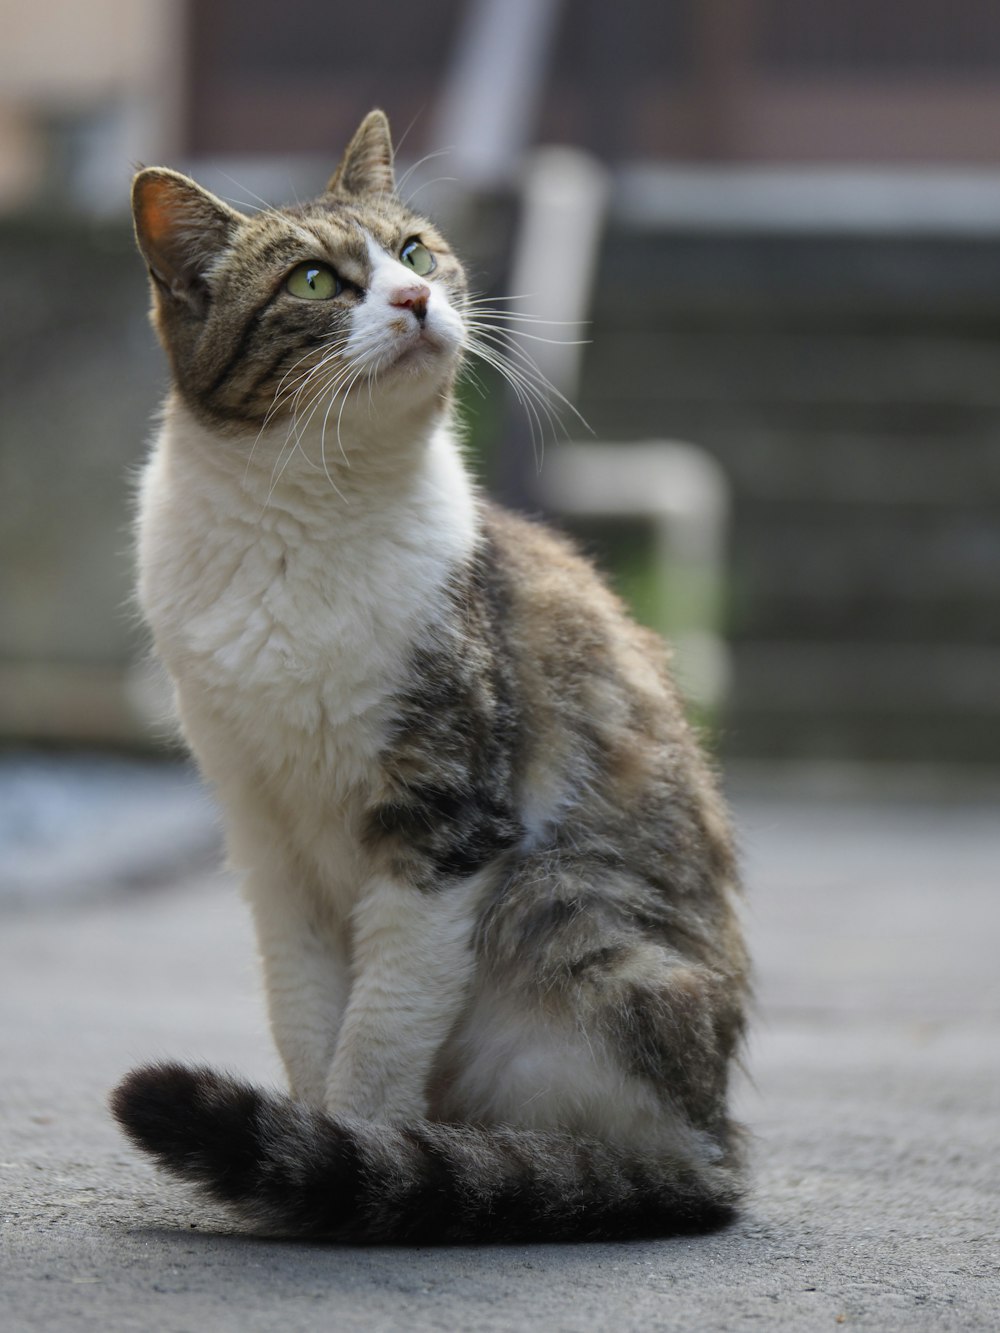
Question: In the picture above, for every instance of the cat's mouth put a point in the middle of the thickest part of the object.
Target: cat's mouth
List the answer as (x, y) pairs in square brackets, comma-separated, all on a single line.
[(424, 348)]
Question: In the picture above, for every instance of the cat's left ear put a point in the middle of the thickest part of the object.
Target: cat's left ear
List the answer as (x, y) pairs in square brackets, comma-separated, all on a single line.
[(366, 167), (181, 229)]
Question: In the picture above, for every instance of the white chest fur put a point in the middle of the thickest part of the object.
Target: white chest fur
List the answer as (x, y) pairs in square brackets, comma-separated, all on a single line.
[(286, 618)]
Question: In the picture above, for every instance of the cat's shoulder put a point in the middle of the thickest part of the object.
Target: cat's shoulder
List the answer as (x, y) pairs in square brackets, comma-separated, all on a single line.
[(548, 568)]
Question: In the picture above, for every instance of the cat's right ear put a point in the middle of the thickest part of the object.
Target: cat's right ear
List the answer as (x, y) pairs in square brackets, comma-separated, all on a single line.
[(180, 229), (366, 167)]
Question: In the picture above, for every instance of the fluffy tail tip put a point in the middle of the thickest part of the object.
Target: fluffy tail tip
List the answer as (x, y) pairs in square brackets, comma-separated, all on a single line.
[(175, 1113)]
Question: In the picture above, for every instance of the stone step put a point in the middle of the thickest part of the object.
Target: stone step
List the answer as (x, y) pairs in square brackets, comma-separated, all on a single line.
[(760, 368)]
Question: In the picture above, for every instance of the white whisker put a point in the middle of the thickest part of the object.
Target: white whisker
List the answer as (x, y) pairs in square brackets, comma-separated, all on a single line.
[(438, 180), (441, 152)]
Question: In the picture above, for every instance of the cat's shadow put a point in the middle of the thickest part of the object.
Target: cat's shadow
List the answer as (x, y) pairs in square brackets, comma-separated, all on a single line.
[(234, 1242)]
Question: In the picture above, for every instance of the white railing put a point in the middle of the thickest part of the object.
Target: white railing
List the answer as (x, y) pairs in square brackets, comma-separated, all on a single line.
[(683, 494)]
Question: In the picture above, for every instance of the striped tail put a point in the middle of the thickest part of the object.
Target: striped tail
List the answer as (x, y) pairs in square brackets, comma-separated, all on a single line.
[(291, 1170)]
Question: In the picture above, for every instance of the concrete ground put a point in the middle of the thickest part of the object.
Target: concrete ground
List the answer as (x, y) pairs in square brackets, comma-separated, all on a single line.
[(875, 1102)]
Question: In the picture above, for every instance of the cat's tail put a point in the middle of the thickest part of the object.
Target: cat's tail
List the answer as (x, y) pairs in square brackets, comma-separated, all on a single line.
[(292, 1170)]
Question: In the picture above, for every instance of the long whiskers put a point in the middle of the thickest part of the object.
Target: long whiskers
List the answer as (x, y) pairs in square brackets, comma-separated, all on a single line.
[(319, 384), (493, 336), (304, 394), (329, 349), (327, 391), (480, 306), (427, 157)]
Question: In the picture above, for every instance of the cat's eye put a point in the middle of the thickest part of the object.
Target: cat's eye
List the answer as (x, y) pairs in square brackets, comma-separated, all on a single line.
[(415, 255), (313, 281)]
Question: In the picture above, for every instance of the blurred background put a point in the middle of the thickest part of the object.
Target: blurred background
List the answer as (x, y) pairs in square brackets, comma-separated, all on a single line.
[(779, 227)]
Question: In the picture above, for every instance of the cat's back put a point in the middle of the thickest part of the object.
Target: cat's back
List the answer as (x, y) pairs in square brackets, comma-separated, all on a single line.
[(582, 660), (610, 763)]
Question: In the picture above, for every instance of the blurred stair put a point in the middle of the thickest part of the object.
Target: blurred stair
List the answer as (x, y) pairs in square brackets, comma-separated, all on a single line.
[(850, 386)]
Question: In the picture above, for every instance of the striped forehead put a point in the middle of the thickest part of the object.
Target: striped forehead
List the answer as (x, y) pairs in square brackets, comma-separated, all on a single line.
[(348, 237), (344, 241), (281, 237)]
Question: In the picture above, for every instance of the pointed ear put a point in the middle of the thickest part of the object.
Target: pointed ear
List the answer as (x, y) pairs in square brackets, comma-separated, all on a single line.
[(366, 167), (180, 229)]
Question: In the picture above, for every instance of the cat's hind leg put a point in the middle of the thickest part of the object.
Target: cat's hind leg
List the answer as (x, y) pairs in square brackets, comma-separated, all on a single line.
[(597, 1015)]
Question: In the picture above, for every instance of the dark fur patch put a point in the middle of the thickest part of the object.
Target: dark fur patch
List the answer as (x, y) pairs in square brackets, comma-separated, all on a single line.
[(451, 759), (194, 1121), (239, 350)]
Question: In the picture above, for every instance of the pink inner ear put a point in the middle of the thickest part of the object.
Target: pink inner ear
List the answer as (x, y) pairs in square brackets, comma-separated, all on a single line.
[(158, 218)]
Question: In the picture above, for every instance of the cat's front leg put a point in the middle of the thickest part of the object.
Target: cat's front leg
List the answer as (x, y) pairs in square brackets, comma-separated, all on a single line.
[(412, 962), (307, 980)]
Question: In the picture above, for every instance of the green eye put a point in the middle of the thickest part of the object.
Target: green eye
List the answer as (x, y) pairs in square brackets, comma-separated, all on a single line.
[(313, 281), (415, 255)]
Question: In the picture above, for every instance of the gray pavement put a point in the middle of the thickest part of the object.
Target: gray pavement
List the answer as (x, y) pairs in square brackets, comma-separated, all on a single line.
[(875, 1102)]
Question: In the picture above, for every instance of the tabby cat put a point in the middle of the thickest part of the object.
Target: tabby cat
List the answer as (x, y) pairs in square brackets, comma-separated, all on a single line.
[(491, 876)]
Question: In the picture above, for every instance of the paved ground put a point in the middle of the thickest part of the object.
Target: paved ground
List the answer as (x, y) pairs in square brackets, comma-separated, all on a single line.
[(875, 1100)]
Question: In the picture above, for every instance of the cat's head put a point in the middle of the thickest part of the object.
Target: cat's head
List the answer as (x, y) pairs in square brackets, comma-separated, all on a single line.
[(274, 313)]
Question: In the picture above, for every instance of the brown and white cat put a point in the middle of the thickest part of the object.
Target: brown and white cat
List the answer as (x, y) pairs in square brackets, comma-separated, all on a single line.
[(491, 876)]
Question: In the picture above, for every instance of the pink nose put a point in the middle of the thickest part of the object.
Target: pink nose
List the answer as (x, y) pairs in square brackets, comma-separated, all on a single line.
[(413, 296)]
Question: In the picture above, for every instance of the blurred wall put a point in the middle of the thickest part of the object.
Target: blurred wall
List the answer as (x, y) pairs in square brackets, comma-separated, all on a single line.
[(86, 87), (827, 328)]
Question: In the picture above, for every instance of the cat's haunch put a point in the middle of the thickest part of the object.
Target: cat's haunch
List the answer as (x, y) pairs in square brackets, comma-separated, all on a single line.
[(491, 875)]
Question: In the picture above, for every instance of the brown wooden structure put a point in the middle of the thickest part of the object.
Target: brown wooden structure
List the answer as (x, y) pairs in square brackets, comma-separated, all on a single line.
[(720, 80)]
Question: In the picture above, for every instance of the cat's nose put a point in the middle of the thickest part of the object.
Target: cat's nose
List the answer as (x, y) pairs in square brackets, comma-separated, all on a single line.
[(413, 296)]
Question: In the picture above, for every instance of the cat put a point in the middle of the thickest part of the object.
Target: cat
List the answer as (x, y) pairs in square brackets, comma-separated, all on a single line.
[(491, 875)]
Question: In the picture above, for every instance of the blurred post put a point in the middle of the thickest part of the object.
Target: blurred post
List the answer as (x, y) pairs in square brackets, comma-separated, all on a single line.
[(490, 104), (553, 269), (564, 202), (684, 494)]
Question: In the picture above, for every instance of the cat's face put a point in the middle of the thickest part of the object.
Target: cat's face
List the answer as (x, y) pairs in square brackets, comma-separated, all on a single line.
[(284, 312)]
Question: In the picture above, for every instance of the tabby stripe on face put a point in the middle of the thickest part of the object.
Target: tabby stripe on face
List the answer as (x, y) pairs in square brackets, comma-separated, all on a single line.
[(265, 374), (242, 342)]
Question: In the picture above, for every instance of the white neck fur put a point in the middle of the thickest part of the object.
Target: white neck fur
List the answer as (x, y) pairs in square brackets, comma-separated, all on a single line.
[(286, 611)]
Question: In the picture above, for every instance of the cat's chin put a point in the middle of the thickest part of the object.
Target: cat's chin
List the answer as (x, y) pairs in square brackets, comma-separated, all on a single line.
[(429, 355)]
